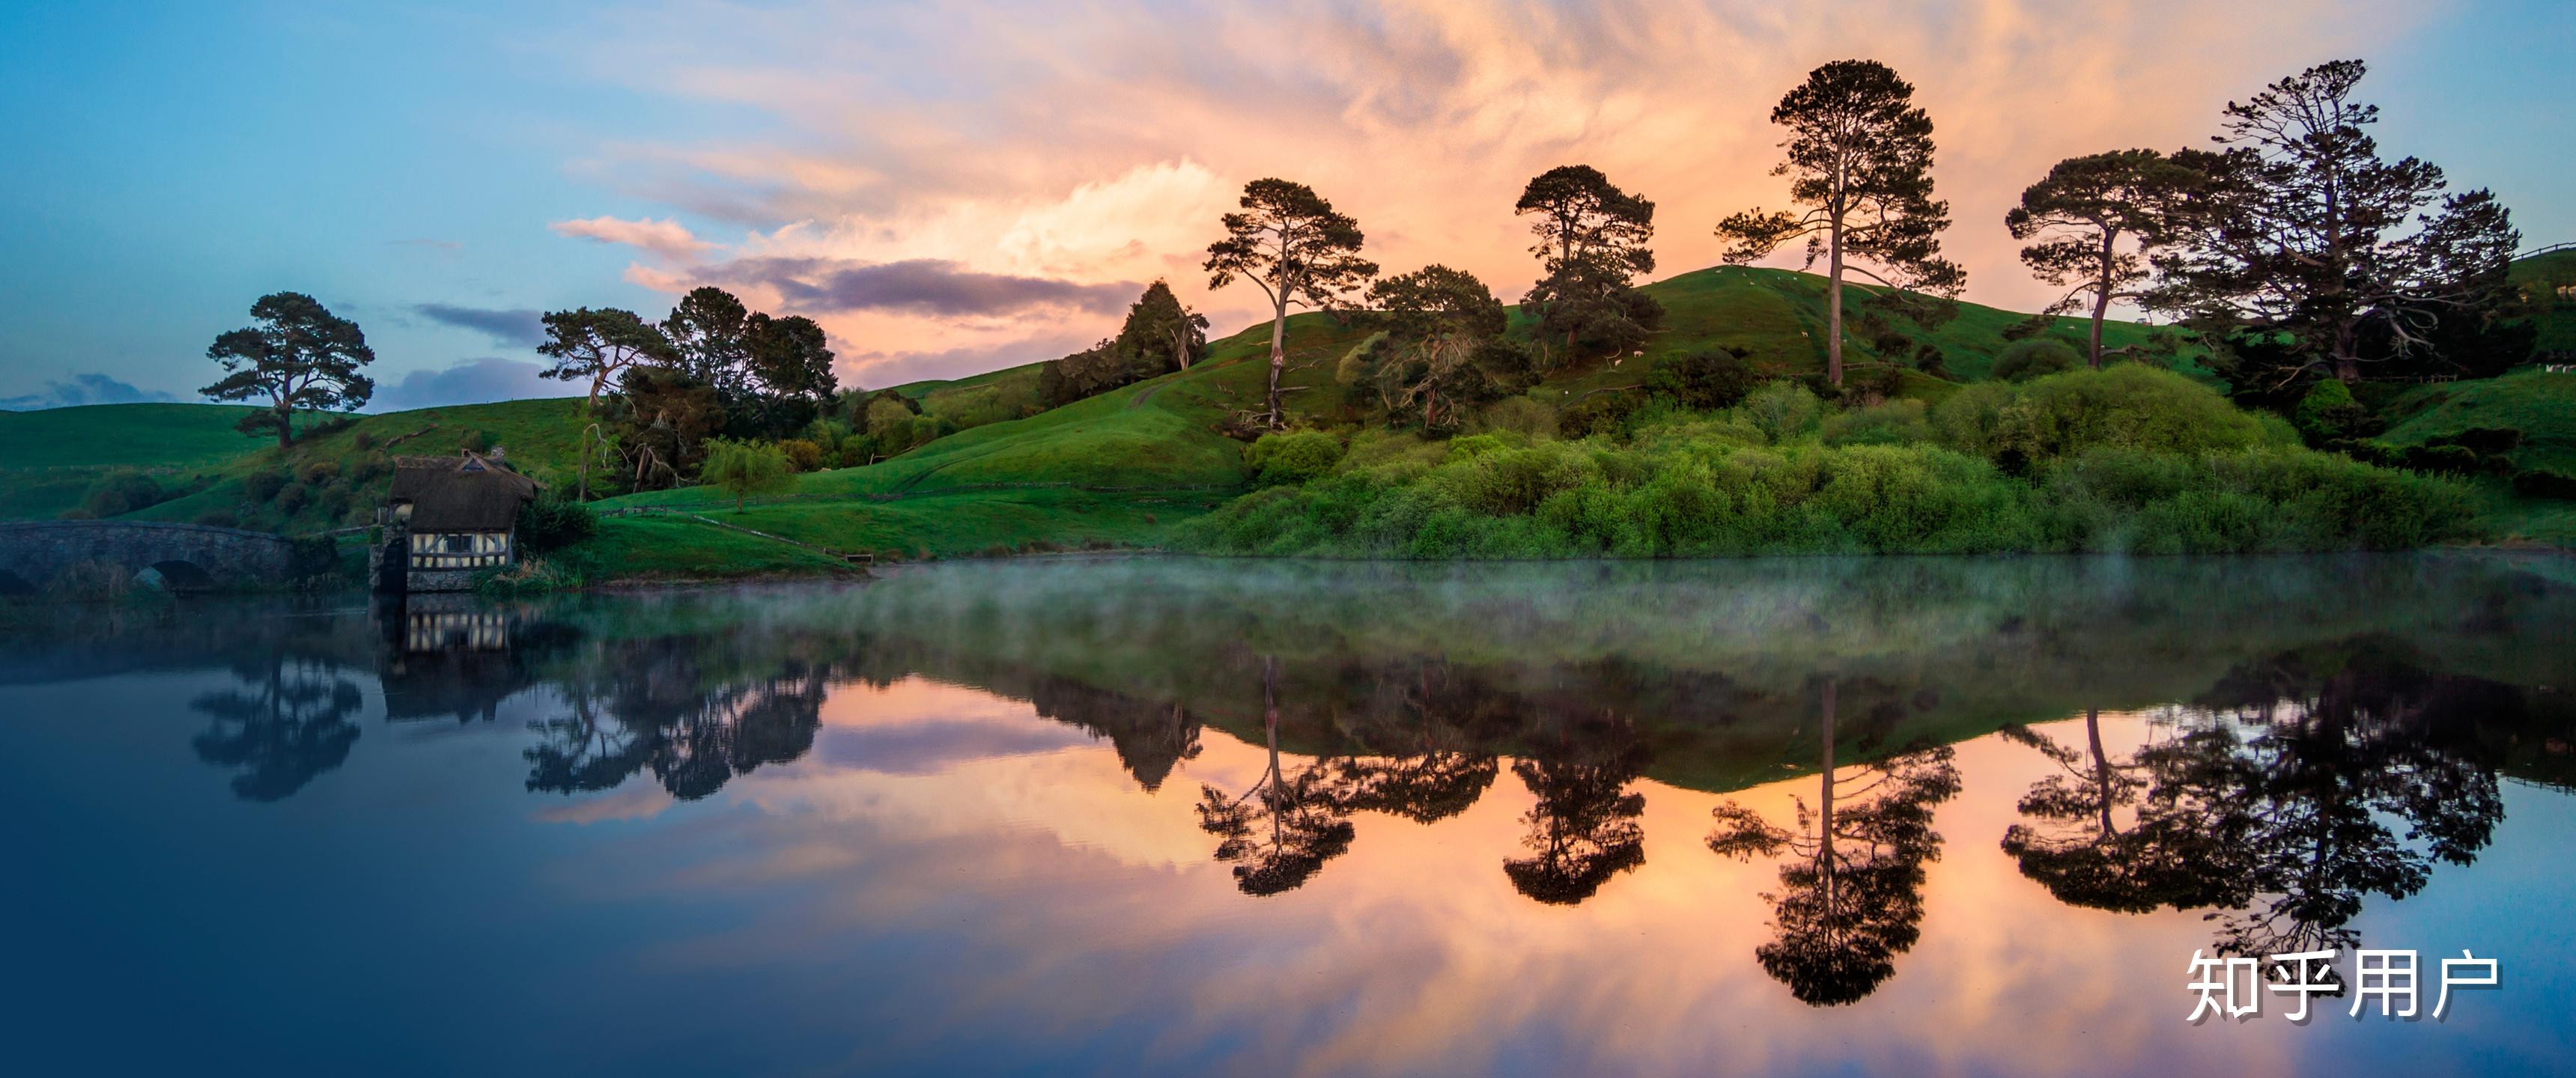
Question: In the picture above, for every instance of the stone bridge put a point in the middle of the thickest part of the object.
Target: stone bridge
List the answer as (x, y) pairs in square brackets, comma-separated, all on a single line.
[(185, 555)]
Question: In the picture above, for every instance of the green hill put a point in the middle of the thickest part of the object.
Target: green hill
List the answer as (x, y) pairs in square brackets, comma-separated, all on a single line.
[(2548, 282)]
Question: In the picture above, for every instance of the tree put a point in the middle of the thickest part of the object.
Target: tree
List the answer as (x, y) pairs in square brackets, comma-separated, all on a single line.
[(2305, 235), (1591, 245), (1161, 334), (745, 469), (599, 345), (2081, 213), (300, 355), (1291, 243), (791, 369), (710, 333), (1439, 321), (664, 418), (1860, 160)]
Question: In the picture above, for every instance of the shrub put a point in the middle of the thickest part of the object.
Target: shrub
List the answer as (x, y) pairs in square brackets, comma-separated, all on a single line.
[(334, 503), (2544, 483), (535, 576), (2128, 405), (293, 498), (804, 455), (1291, 457), (1898, 422), (1598, 413), (263, 487), (317, 473), (1707, 380), (363, 440), (551, 523), (218, 518), (1525, 416), (1782, 411), (123, 492), (2034, 357), (2328, 413), (747, 469)]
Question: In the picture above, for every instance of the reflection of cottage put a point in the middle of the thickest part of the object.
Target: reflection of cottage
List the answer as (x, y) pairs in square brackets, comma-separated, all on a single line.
[(447, 519)]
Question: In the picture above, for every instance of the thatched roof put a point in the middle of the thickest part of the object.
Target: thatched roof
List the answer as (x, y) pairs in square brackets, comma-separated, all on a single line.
[(471, 493)]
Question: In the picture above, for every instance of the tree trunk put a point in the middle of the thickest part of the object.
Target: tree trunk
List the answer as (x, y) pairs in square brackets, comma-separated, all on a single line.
[(1834, 315), (2101, 303), (1278, 355), (285, 425), (2102, 295)]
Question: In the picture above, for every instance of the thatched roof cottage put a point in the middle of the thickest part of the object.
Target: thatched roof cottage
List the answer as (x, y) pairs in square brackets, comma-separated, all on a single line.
[(448, 518)]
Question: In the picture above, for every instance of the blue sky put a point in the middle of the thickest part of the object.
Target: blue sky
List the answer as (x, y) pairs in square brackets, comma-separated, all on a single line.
[(438, 171)]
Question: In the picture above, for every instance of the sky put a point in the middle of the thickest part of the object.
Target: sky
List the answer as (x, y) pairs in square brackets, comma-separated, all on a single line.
[(954, 187)]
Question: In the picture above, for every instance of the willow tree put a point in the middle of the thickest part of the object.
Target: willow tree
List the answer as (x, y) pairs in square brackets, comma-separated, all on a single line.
[(1302, 253), (1860, 163), (2094, 219)]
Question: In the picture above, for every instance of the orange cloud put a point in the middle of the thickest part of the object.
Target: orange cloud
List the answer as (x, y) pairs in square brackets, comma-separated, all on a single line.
[(665, 237), (1099, 144)]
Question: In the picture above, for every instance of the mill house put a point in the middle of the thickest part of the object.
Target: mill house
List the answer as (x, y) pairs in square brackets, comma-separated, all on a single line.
[(446, 519)]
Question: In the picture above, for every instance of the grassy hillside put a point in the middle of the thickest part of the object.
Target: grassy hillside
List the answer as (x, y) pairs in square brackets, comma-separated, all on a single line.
[(2541, 279), (49, 459)]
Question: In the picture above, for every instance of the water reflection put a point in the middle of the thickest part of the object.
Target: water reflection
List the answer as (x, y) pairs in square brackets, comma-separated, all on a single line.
[(1851, 866), (1300, 729), (287, 722)]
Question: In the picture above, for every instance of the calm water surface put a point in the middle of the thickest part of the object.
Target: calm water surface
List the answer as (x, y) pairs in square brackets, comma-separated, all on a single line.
[(1121, 815)]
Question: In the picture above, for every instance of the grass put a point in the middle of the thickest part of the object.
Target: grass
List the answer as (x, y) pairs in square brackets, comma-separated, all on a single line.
[(2539, 404), (677, 548), (2553, 314)]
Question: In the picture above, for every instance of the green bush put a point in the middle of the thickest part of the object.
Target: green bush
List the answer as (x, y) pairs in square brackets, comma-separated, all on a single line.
[(1525, 416), (1712, 379), (1896, 422), (1782, 411), (2544, 483), (121, 492), (551, 523), (2128, 405), (2329, 413), (317, 473), (2034, 357), (263, 486), (293, 498), (1292, 457)]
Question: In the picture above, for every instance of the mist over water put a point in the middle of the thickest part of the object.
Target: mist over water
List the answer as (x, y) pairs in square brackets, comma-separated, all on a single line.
[(1116, 814)]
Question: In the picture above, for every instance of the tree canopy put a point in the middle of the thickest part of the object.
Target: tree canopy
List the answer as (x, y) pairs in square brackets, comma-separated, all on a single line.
[(2092, 219), (298, 355), (595, 346), (1859, 158), (2306, 235), (1301, 252)]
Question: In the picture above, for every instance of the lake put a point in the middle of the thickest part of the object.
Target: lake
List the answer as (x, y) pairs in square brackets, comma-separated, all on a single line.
[(1121, 815)]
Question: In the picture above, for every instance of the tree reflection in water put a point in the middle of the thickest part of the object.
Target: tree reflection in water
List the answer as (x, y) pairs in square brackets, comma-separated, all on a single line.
[(1583, 830), (657, 705), (288, 722), (1851, 883), (1279, 832), (2283, 792), (2173, 854)]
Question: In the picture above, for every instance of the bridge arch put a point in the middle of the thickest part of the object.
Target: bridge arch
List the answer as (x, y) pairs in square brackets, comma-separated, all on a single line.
[(36, 552)]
